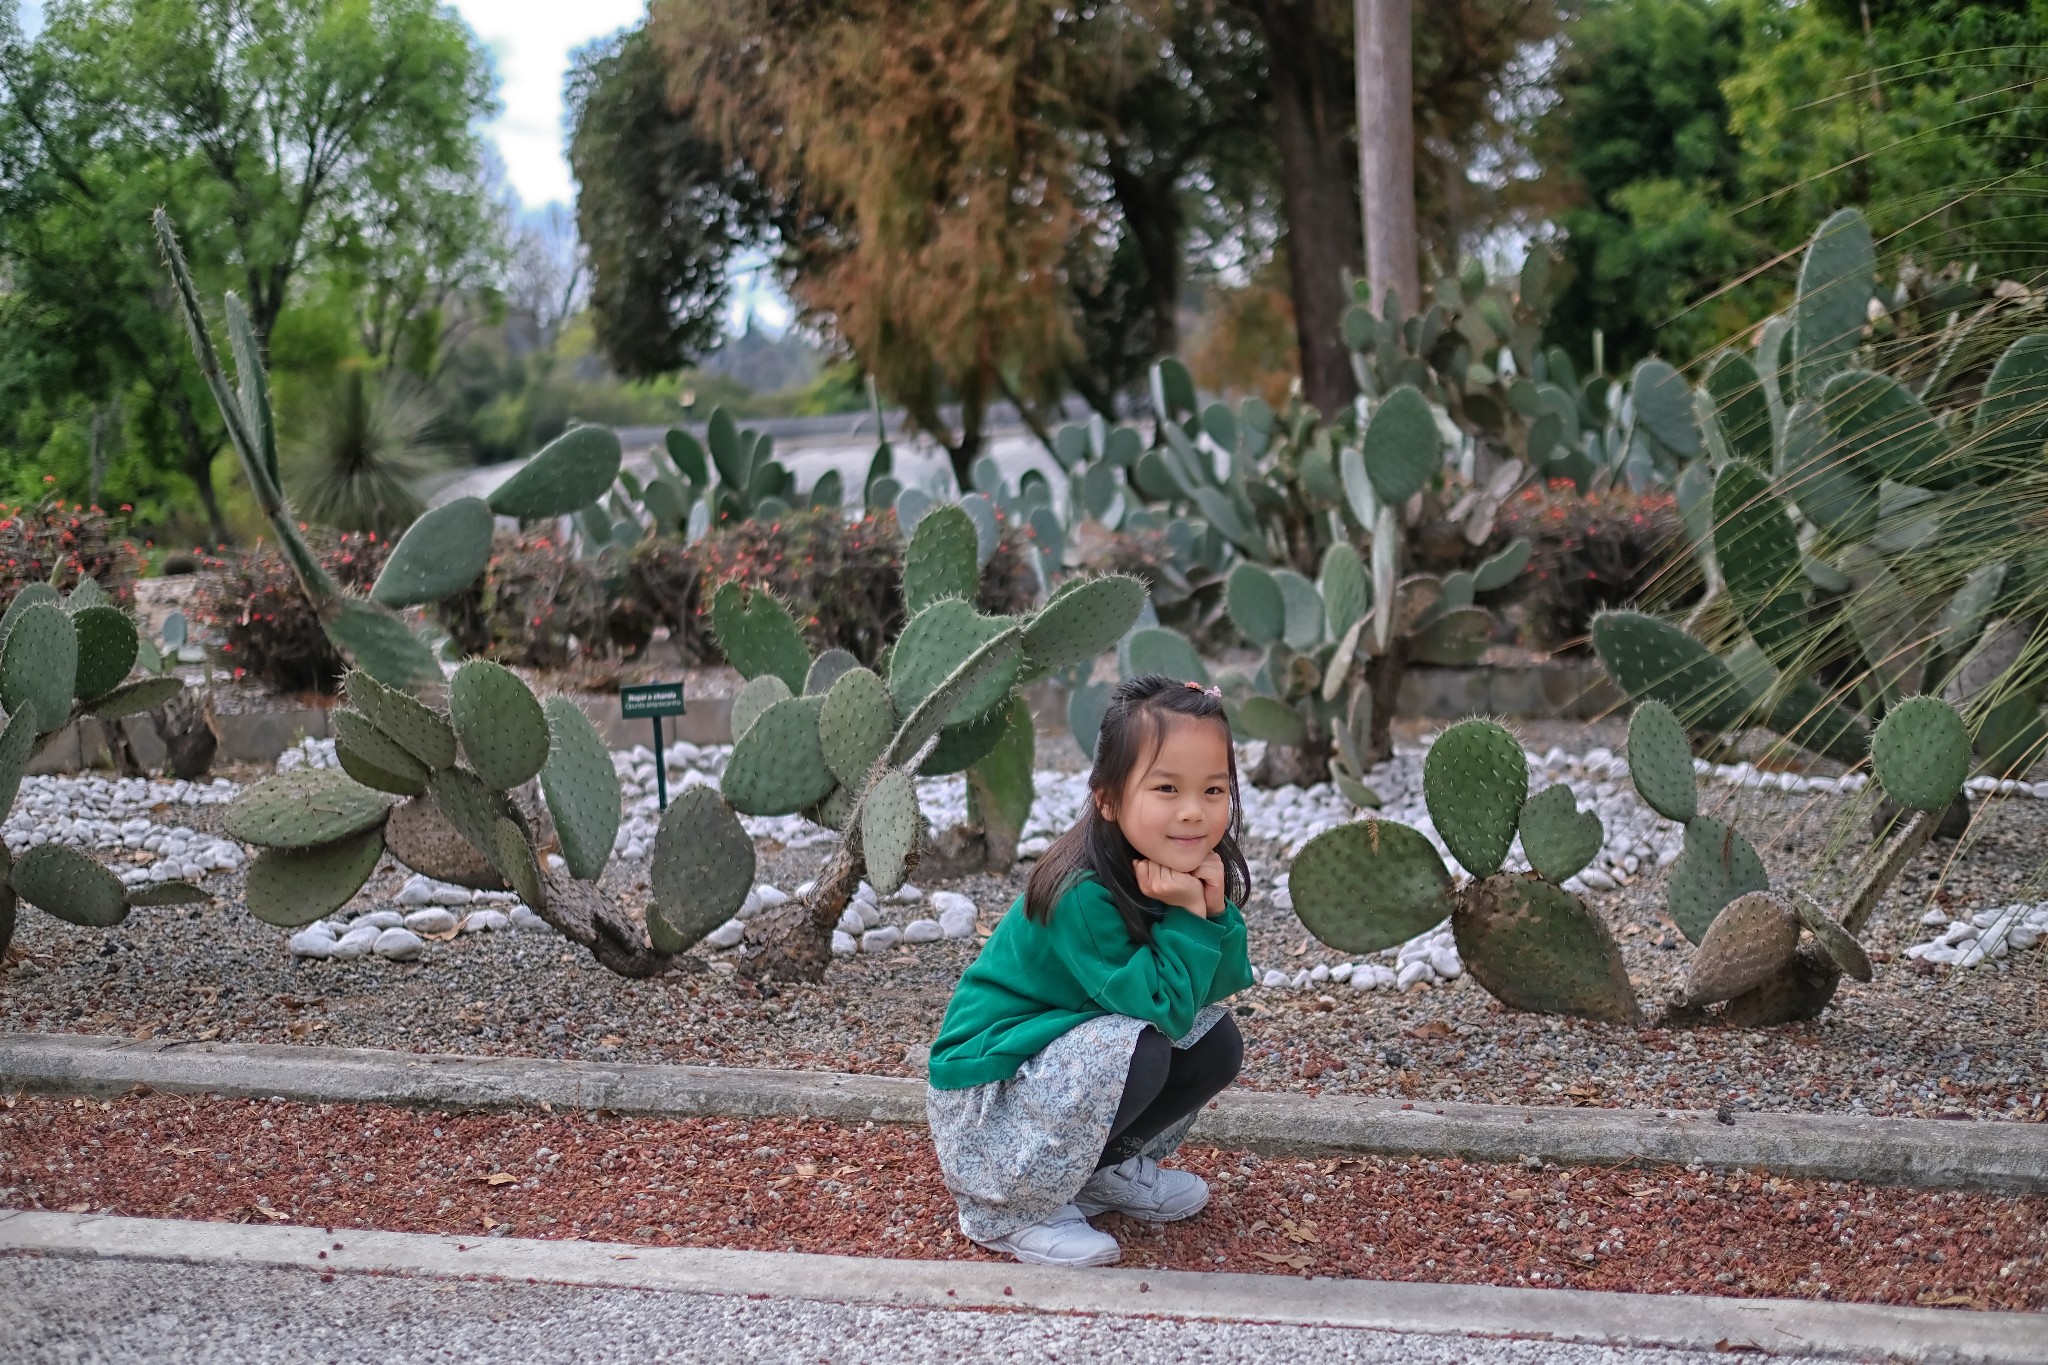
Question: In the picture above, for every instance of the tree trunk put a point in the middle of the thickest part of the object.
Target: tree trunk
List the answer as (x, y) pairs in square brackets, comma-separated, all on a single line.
[(1386, 150), (1311, 95), (1383, 673), (198, 465), (1299, 765), (793, 941)]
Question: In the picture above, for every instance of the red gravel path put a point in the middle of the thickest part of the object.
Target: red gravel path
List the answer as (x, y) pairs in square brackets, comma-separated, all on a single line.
[(876, 1191)]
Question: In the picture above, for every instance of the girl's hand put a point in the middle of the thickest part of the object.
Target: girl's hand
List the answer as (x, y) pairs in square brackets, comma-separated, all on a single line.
[(1162, 883), (1210, 874)]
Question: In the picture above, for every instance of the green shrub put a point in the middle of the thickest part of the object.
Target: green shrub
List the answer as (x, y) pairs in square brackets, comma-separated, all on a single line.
[(538, 604)]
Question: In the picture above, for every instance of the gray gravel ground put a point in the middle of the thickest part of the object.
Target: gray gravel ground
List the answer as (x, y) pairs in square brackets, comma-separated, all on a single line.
[(76, 1312), (1918, 1040)]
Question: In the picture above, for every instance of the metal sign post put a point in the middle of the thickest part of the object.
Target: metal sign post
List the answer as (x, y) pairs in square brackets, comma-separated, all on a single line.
[(654, 700)]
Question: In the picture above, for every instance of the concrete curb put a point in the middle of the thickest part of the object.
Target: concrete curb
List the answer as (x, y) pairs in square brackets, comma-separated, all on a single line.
[(2005, 1157), (1853, 1331)]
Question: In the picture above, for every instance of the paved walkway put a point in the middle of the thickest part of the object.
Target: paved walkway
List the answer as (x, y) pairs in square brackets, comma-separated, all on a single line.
[(122, 1312)]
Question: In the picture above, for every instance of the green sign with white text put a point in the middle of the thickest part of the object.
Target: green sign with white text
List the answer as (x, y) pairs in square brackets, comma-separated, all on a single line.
[(651, 699)]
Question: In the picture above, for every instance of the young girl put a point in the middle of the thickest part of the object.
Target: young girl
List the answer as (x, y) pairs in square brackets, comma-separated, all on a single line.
[(1080, 1045)]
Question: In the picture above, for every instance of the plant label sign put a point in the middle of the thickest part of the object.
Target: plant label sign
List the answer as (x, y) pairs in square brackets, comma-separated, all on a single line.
[(652, 701)]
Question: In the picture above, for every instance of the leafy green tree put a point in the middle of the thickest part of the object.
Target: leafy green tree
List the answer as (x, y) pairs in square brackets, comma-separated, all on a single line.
[(292, 137)]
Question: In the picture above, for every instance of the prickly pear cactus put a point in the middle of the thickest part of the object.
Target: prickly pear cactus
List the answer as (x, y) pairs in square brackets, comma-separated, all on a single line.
[(1370, 885)]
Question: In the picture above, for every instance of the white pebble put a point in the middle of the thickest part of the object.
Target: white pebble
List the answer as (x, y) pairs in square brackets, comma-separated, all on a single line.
[(1273, 978), (1444, 962), (380, 919), (400, 945), (767, 896), (906, 894), (923, 931), (523, 918), (487, 918), (313, 941), (957, 921), (1342, 971), (433, 920), (850, 921), (1319, 974), (727, 935), (446, 894), (844, 944), (881, 940), (1410, 974)]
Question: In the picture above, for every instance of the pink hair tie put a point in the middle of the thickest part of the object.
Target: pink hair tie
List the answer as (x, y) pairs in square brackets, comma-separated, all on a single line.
[(1212, 691)]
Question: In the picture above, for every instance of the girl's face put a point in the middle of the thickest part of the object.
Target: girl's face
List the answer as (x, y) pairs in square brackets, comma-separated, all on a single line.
[(1176, 807)]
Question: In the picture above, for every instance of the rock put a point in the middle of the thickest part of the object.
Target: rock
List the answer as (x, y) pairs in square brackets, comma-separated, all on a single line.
[(881, 940), (1033, 847), (906, 894), (1319, 974), (380, 919), (864, 892), (400, 945), (1444, 962), (870, 914), (1410, 974), (1342, 971), (1282, 898), (944, 901), (447, 894), (1935, 916), (522, 917), (727, 935), (769, 896), (1273, 978), (1299, 979), (487, 918), (957, 921), (2023, 936), (923, 931), (356, 943), (434, 919), (1596, 879), (844, 944), (850, 921), (313, 941), (1364, 979)]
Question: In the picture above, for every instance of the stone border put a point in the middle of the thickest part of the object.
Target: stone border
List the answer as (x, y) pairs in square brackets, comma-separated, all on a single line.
[(1999, 1157), (1689, 1322)]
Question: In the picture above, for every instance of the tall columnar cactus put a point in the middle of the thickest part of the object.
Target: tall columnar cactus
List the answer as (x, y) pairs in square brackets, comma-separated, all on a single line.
[(1751, 953), (63, 658), (1870, 547), (842, 746), (1370, 885)]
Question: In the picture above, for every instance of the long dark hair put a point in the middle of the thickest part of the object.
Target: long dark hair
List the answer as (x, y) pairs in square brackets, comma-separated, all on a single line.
[(1133, 727)]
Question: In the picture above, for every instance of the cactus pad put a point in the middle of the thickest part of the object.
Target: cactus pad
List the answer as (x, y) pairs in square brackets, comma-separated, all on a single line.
[(1256, 606), (381, 645), (1799, 990), (1836, 280), (418, 729), (2012, 420), (373, 758), (1345, 592), (107, 645), (1402, 446), (855, 724), (828, 668), (1474, 781), (754, 698), (582, 789), (1086, 706), (702, 870), (70, 885), (1664, 406), (513, 856), (132, 699), (942, 559), (889, 820), (1558, 838), (292, 887), (1660, 762), (570, 473), (1304, 609), (1535, 947), (1497, 571), (777, 767), (1271, 720), (304, 808), (1883, 430), (1717, 865), (38, 665), (758, 635), (1368, 885), (988, 672), (960, 747), (1456, 639), (1158, 650), (29, 596), (1757, 547), (1836, 943), (1649, 658), (1921, 753), (504, 732), (1085, 620), (438, 556), (471, 807), (17, 743), (421, 837), (1749, 942), (933, 646)]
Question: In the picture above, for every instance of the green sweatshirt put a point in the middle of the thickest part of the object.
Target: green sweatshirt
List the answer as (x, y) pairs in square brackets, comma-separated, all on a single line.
[(1035, 981)]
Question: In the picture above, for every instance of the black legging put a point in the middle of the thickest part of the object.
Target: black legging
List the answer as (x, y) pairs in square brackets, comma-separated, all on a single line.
[(1167, 1084)]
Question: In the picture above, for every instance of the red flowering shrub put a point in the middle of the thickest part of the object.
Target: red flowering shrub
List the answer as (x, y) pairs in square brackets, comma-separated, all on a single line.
[(842, 580), (73, 540), (1591, 553), (538, 604), (266, 628)]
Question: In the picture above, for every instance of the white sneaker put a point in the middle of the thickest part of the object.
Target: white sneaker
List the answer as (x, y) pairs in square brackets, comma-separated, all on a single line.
[(1144, 1189), (1062, 1239)]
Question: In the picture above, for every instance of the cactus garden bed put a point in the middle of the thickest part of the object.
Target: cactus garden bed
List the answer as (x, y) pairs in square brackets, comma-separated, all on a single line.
[(1918, 1040), (876, 1191)]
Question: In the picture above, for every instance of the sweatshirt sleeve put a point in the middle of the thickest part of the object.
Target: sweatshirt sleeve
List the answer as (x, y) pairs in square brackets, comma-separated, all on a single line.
[(1234, 967), (1164, 983)]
